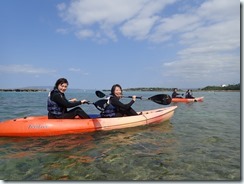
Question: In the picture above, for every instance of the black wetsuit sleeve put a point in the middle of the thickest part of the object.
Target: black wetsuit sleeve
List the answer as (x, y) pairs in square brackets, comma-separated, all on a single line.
[(63, 102), (174, 94), (116, 103)]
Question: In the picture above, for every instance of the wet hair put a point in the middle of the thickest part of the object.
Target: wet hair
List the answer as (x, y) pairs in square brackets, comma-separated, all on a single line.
[(60, 81), (113, 89)]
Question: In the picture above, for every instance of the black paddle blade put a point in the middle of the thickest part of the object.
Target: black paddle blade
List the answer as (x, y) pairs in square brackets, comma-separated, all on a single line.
[(162, 99), (101, 104), (100, 94)]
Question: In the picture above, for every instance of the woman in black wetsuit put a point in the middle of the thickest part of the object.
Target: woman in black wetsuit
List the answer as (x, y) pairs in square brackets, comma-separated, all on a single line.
[(189, 94), (57, 103), (115, 108), (175, 94)]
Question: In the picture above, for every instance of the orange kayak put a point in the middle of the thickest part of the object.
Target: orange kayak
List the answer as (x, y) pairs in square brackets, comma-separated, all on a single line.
[(42, 126), (197, 99)]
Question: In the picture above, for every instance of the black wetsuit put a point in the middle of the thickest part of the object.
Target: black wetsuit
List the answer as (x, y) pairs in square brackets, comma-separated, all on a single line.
[(60, 99), (174, 95), (122, 109), (189, 95)]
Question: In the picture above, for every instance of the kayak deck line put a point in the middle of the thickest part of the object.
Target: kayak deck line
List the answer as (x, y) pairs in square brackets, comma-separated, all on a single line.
[(42, 126)]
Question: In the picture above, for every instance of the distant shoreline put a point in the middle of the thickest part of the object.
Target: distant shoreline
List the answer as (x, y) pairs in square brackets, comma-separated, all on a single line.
[(22, 90), (127, 89), (179, 90)]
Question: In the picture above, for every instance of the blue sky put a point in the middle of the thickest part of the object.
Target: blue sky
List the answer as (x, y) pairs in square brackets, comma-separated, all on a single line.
[(139, 43)]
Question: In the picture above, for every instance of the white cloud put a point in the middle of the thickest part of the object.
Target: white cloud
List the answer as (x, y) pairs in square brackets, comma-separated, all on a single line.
[(207, 32), (108, 17), (61, 6), (62, 31), (211, 69), (87, 12), (170, 26), (85, 33), (145, 19), (215, 10), (25, 69), (78, 70), (138, 28), (210, 48), (74, 70)]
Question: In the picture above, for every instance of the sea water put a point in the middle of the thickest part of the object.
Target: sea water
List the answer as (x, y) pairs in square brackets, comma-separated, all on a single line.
[(200, 143)]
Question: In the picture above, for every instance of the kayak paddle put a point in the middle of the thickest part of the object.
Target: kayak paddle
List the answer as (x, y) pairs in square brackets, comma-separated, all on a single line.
[(100, 104), (162, 99), (101, 95)]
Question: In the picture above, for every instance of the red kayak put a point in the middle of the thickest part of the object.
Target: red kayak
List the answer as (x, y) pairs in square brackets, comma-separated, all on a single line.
[(197, 99), (42, 126)]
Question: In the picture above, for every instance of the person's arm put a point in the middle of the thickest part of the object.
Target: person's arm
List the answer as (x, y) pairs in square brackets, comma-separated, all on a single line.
[(63, 102), (115, 102), (179, 95)]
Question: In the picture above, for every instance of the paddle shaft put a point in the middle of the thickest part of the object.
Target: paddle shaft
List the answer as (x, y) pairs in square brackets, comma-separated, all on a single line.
[(138, 97), (162, 99)]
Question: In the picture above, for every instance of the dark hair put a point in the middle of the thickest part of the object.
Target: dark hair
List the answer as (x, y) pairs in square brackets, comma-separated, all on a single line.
[(60, 81), (113, 88)]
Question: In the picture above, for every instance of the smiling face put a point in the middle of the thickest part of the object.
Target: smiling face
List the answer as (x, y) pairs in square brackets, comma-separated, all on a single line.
[(62, 87), (118, 92)]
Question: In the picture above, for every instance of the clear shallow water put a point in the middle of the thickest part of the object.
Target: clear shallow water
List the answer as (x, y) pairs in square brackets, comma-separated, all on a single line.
[(200, 142)]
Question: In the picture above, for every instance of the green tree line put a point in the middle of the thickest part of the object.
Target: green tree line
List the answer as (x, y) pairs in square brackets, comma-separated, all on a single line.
[(207, 88), (228, 87)]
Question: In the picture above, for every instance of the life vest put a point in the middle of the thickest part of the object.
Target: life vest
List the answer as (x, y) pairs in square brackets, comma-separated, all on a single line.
[(109, 110), (188, 95), (53, 107)]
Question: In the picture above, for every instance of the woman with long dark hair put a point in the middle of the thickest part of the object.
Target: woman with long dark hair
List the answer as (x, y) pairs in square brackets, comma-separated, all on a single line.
[(115, 108), (57, 103)]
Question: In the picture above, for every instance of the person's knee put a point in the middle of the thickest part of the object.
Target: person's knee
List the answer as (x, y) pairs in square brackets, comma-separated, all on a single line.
[(79, 109), (76, 109)]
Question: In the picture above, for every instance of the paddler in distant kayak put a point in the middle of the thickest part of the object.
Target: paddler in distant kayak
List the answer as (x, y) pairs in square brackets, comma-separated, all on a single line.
[(175, 94), (115, 108), (189, 94), (57, 103)]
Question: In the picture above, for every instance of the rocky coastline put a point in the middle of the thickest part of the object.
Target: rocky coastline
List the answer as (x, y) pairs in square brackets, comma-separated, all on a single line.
[(22, 90)]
